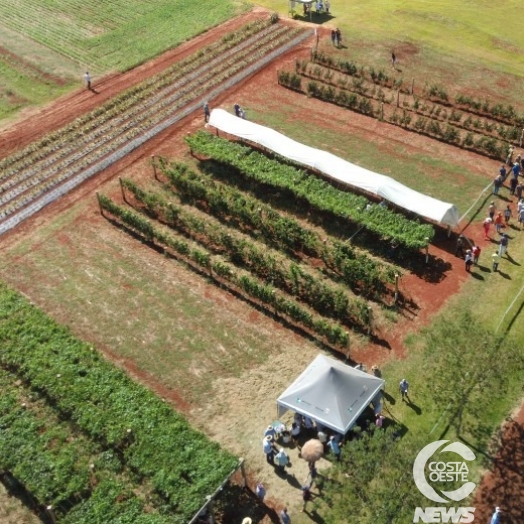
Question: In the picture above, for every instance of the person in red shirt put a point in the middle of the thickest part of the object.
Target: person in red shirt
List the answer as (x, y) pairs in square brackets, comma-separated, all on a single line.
[(475, 252)]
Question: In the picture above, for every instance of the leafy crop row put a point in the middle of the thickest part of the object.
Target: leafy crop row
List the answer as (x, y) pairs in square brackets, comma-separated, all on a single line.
[(320, 195), (156, 443), (358, 271), (251, 286), (268, 265), (122, 123)]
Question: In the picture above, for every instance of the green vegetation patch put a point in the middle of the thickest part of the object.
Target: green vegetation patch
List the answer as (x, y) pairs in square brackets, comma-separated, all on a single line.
[(182, 465)]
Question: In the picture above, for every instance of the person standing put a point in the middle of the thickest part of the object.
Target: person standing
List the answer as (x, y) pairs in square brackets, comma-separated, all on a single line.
[(498, 222), (207, 112), (284, 517), (393, 60), (486, 225), (516, 169), (491, 210), (475, 253), (267, 446), (497, 184), (282, 460), (338, 36), (306, 496), (503, 173), (495, 518), (468, 260), (236, 107), (518, 190), (507, 214), (513, 185), (503, 247), (496, 259), (334, 447), (403, 388), (87, 78), (509, 158), (260, 491), (327, 5), (333, 36), (521, 217), (459, 249)]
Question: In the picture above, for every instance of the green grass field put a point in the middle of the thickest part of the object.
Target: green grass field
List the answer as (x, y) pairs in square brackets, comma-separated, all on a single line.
[(68, 37)]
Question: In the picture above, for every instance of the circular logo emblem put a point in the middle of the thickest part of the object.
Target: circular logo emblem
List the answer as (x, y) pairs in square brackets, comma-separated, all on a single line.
[(443, 471)]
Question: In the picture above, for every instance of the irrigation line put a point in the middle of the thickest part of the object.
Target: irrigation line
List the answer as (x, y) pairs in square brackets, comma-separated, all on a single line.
[(39, 203), (509, 307), (474, 203)]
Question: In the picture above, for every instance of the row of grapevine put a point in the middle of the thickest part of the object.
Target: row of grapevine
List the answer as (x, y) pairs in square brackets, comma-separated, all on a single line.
[(433, 119), (357, 270), (319, 194), (156, 444), (268, 265), (129, 119), (481, 107), (254, 288), (434, 110)]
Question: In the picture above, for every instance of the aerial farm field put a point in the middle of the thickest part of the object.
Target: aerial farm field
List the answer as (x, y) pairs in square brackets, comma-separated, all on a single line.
[(190, 262)]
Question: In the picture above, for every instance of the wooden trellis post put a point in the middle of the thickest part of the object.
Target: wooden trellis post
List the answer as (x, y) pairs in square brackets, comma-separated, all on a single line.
[(153, 163)]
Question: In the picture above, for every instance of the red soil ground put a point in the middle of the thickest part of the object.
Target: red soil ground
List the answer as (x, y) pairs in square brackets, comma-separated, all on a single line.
[(428, 290)]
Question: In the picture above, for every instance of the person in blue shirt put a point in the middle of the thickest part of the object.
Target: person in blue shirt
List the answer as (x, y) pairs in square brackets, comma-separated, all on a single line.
[(495, 519), (284, 517), (334, 447)]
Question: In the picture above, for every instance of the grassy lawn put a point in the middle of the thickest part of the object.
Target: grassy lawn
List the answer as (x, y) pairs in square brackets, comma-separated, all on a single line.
[(113, 35), (67, 37), (477, 30)]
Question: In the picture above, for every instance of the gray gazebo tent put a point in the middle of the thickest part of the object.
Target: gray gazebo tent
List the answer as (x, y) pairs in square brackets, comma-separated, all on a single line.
[(331, 393)]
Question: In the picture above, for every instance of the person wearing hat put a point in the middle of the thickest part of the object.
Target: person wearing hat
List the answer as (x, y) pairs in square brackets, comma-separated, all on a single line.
[(207, 112), (247, 520), (269, 449), (282, 460), (270, 432), (459, 249), (468, 260), (260, 491), (491, 210), (486, 225), (503, 246), (284, 517), (495, 519), (496, 259)]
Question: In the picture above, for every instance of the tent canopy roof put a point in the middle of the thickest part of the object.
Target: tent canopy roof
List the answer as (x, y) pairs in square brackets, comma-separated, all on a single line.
[(331, 393), (337, 168)]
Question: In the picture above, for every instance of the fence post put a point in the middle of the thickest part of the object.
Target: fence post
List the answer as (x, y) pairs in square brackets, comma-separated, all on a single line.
[(396, 288), (370, 316), (122, 189), (381, 110), (427, 250), (153, 163), (398, 98), (412, 85), (99, 204), (243, 472), (521, 137)]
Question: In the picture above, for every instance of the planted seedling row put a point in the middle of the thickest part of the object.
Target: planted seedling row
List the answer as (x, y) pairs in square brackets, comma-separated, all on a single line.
[(252, 287), (357, 270), (317, 193), (294, 279)]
